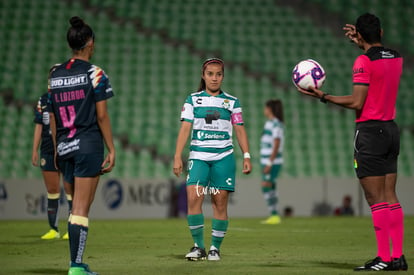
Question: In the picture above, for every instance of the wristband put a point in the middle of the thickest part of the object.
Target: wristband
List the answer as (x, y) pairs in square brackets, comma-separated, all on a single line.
[(323, 99), (246, 155), (269, 162)]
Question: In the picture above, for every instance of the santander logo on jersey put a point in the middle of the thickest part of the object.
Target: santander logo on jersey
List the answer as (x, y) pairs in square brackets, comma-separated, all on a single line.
[(69, 81)]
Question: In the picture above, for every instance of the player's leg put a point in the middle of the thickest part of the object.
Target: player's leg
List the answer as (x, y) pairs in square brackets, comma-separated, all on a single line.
[(223, 182), (51, 179), (86, 170), (269, 189), (197, 180), (69, 192)]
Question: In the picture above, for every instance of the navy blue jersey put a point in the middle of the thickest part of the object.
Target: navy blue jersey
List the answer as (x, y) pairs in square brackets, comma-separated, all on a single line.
[(74, 88), (41, 116)]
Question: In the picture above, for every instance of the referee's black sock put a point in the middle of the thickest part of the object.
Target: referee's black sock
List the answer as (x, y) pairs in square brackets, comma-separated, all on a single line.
[(52, 210)]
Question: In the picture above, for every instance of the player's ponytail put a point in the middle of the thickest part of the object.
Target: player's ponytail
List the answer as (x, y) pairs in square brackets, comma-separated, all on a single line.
[(213, 60), (79, 34), (276, 106)]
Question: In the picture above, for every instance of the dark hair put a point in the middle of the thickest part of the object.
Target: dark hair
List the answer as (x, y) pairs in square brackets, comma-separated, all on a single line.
[(276, 107), (209, 61), (369, 26), (79, 34)]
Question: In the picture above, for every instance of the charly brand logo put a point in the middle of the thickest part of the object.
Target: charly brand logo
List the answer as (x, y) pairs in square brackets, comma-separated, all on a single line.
[(207, 190), (113, 194)]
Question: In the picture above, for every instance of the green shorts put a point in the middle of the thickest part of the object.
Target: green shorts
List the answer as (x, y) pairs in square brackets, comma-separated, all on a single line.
[(274, 172), (220, 174)]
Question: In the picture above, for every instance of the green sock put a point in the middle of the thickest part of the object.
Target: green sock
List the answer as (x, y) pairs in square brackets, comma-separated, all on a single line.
[(196, 224), (218, 232), (269, 194)]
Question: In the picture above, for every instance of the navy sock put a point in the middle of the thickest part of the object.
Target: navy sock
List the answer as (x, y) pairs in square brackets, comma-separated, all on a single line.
[(77, 241), (52, 213)]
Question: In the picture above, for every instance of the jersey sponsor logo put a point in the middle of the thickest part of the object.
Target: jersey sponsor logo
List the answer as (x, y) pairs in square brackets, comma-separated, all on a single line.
[(212, 116), (69, 81), (358, 70), (201, 135), (387, 54), (67, 147), (46, 118)]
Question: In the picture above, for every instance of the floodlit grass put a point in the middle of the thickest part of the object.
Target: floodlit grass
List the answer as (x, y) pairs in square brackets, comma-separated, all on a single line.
[(331, 245)]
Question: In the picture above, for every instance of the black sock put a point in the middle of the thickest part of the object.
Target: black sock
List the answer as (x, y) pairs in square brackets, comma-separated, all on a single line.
[(52, 213)]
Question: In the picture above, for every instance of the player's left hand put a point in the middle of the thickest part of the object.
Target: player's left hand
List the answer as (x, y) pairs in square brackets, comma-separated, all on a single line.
[(247, 166), (109, 163), (311, 92), (267, 169)]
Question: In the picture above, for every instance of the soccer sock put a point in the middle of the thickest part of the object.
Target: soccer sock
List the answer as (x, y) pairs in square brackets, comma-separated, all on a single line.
[(69, 199), (52, 210), (196, 225), (269, 194), (381, 220), (396, 229), (219, 231), (78, 233)]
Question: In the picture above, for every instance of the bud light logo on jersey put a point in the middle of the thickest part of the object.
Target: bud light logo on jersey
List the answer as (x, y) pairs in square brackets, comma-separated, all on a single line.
[(69, 81), (113, 194)]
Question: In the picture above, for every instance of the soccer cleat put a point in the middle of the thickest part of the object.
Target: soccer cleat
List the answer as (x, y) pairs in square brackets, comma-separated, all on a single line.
[(376, 264), (66, 236), (213, 255), (398, 264), (196, 253), (82, 269), (274, 219), (50, 235)]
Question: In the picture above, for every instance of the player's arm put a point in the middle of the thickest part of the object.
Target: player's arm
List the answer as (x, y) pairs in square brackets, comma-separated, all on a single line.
[(244, 146), (37, 136), (52, 121), (104, 123), (354, 101), (182, 138), (273, 155)]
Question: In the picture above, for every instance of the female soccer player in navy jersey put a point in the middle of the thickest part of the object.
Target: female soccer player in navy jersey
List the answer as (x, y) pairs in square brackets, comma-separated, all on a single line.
[(80, 126), (376, 78), (51, 175)]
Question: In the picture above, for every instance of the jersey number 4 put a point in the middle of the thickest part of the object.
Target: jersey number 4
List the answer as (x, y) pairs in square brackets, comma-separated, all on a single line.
[(68, 115)]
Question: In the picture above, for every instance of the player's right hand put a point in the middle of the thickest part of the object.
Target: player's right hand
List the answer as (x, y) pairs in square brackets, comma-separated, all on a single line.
[(350, 32), (35, 158), (178, 167)]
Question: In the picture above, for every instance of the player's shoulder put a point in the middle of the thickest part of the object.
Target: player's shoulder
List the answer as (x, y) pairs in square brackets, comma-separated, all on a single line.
[(229, 96), (196, 94), (376, 53)]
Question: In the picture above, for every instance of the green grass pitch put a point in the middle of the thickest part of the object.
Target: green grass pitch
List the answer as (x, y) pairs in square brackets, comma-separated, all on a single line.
[(332, 245)]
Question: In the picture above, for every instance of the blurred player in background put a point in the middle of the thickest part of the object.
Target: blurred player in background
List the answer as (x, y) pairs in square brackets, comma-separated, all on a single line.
[(51, 175), (376, 78), (212, 114), (80, 125), (271, 148)]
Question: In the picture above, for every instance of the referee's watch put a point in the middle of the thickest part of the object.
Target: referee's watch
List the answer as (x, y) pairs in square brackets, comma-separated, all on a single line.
[(323, 99)]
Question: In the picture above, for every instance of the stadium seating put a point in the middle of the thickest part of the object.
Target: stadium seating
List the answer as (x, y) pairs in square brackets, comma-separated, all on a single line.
[(154, 66)]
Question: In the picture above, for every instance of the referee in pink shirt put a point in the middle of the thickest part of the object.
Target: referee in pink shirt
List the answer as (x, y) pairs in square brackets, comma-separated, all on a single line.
[(376, 77)]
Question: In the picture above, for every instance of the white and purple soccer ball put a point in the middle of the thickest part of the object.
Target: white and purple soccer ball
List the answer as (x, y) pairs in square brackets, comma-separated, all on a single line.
[(308, 73)]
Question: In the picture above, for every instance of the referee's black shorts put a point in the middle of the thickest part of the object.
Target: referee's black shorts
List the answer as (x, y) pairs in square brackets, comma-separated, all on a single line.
[(376, 148)]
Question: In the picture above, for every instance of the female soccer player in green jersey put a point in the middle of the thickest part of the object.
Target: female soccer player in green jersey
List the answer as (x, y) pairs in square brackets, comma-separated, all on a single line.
[(271, 147), (211, 114)]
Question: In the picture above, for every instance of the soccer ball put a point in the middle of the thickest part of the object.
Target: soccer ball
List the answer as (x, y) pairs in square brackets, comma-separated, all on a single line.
[(308, 73)]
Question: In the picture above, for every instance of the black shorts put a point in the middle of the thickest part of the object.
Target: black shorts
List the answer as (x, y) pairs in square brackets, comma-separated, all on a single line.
[(47, 162), (376, 148), (82, 166)]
